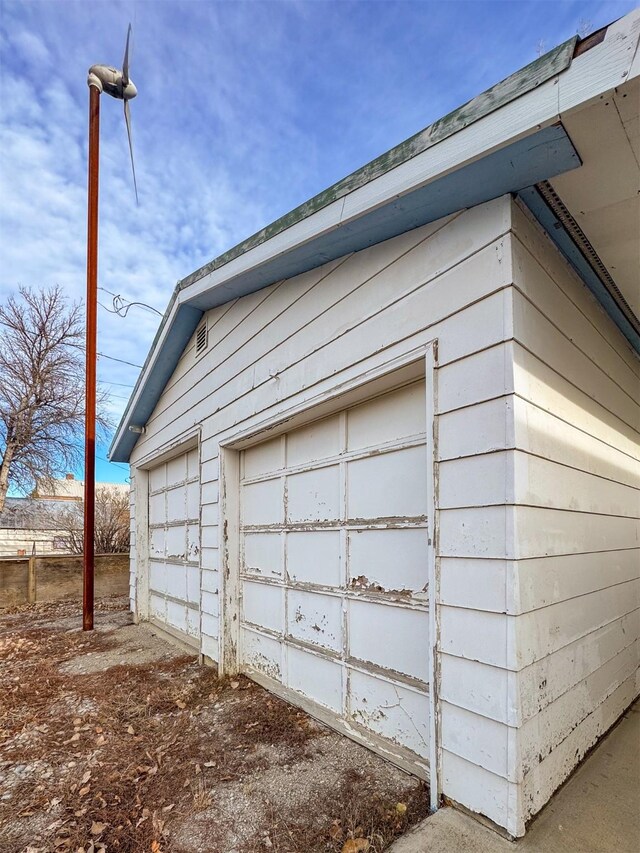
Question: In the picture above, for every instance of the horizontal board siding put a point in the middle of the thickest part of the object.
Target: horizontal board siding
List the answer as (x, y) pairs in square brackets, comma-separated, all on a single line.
[(563, 355), (517, 477), (540, 783), (568, 283), (536, 287), (290, 369), (544, 581), (301, 303), (577, 503), (481, 791), (546, 388), (549, 678), (544, 434), (545, 631), (541, 734)]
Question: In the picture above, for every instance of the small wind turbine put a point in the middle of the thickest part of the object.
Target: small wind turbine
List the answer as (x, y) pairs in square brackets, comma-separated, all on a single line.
[(102, 78)]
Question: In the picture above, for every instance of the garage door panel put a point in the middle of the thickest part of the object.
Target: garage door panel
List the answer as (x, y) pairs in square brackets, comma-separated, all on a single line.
[(334, 565), (263, 503), (388, 485), (177, 470), (315, 619), (388, 418), (193, 464), (176, 583), (319, 440), (158, 607), (193, 622), (158, 577), (261, 653), (263, 554), (263, 605), (157, 543), (193, 500), (193, 585), (176, 543), (176, 504), (157, 511), (395, 638), (157, 478), (314, 495), (177, 616), (315, 557), (391, 710), (264, 458), (193, 542), (315, 677), (393, 559)]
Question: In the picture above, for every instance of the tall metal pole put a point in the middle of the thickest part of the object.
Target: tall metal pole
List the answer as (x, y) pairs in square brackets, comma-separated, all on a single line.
[(91, 356)]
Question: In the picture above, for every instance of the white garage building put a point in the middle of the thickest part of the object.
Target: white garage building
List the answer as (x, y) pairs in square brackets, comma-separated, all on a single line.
[(385, 453)]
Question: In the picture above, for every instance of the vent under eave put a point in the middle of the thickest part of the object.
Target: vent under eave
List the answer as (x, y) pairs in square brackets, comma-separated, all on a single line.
[(202, 339)]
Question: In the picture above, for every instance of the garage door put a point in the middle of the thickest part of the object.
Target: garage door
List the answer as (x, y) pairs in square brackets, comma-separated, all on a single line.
[(174, 546), (334, 567)]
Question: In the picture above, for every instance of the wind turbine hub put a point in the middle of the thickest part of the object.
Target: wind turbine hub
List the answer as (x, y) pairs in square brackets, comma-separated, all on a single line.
[(112, 81)]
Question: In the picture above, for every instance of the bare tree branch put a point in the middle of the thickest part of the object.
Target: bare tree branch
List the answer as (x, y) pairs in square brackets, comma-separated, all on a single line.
[(41, 388), (112, 522)]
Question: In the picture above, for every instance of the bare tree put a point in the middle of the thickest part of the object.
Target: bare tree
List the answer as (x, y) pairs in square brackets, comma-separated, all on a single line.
[(111, 527), (41, 387)]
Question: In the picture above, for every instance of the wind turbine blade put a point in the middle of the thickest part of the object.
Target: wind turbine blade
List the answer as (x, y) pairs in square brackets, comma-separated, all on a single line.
[(127, 118), (125, 61)]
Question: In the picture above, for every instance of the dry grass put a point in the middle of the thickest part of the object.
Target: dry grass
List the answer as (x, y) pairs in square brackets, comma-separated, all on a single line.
[(132, 757), (354, 811)]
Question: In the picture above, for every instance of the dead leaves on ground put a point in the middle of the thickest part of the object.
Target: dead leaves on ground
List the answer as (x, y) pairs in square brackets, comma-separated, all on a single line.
[(355, 845)]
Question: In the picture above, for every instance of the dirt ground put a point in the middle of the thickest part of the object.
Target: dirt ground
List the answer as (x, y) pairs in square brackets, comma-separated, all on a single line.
[(117, 741)]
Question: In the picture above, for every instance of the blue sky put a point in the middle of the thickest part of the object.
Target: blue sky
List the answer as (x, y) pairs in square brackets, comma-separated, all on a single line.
[(245, 109)]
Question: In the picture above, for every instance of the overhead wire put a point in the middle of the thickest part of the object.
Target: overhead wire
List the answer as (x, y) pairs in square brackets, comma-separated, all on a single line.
[(121, 360), (121, 305)]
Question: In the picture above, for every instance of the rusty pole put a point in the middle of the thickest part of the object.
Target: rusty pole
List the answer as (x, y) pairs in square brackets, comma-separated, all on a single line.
[(91, 355)]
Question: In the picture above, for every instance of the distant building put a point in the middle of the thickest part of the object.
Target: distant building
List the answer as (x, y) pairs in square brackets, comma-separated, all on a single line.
[(25, 522), (29, 522), (68, 489)]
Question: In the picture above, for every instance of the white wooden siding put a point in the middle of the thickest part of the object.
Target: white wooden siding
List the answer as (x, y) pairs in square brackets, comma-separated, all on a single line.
[(577, 504)]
